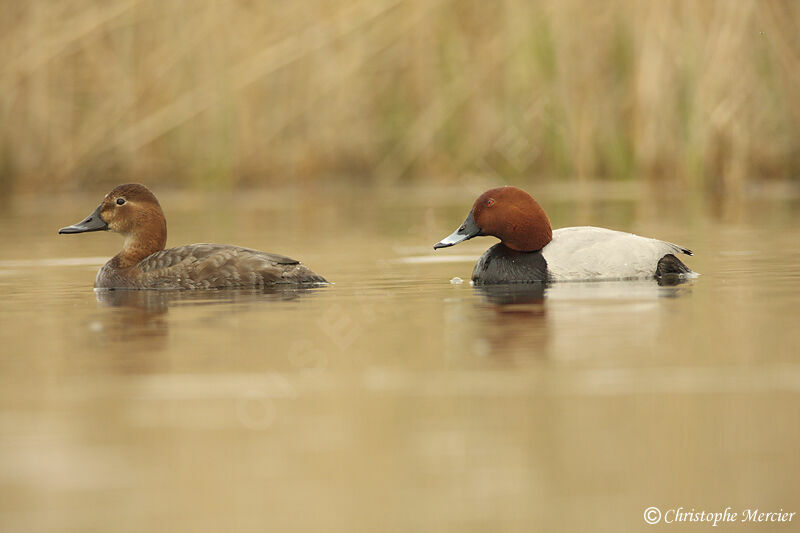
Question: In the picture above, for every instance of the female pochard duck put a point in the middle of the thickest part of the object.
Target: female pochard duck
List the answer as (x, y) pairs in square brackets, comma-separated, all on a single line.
[(530, 251), (133, 211)]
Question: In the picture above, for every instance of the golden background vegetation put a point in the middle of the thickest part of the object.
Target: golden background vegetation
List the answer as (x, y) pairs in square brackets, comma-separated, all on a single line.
[(225, 93)]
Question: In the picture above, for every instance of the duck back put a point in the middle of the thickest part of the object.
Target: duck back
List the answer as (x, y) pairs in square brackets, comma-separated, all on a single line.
[(590, 253)]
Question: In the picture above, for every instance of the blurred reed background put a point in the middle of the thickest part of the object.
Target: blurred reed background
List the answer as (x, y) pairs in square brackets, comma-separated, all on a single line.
[(226, 93)]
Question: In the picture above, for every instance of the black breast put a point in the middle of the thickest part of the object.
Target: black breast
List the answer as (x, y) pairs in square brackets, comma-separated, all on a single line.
[(501, 264)]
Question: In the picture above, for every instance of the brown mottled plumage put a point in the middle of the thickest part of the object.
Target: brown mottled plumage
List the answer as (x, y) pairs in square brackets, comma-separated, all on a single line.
[(133, 211)]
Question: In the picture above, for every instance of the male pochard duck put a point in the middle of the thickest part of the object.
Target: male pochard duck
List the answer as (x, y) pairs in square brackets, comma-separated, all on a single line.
[(133, 211), (530, 251)]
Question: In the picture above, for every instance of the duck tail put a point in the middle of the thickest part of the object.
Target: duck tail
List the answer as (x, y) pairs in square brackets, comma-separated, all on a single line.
[(669, 265)]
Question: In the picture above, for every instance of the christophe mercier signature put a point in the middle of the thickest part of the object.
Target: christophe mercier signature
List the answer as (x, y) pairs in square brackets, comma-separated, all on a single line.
[(653, 515)]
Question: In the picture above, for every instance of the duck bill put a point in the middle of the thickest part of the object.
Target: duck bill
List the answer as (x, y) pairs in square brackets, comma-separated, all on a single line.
[(93, 222), (466, 231)]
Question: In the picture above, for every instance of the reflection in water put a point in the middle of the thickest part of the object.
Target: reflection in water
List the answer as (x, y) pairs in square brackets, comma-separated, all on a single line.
[(534, 293), (537, 320), (509, 294), (159, 302), (141, 315), (648, 289), (138, 316), (517, 320), (512, 293)]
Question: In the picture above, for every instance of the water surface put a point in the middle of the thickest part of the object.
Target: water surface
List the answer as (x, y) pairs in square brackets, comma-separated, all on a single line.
[(396, 400)]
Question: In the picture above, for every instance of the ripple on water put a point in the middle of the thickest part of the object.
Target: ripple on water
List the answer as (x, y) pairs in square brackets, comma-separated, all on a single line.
[(57, 262), (425, 259)]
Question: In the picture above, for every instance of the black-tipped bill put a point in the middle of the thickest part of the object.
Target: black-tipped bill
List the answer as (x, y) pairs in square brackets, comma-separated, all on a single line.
[(466, 231), (92, 223)]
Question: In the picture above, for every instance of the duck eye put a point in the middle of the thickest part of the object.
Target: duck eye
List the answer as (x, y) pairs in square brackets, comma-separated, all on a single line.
[(120, 201), (490, 202)]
